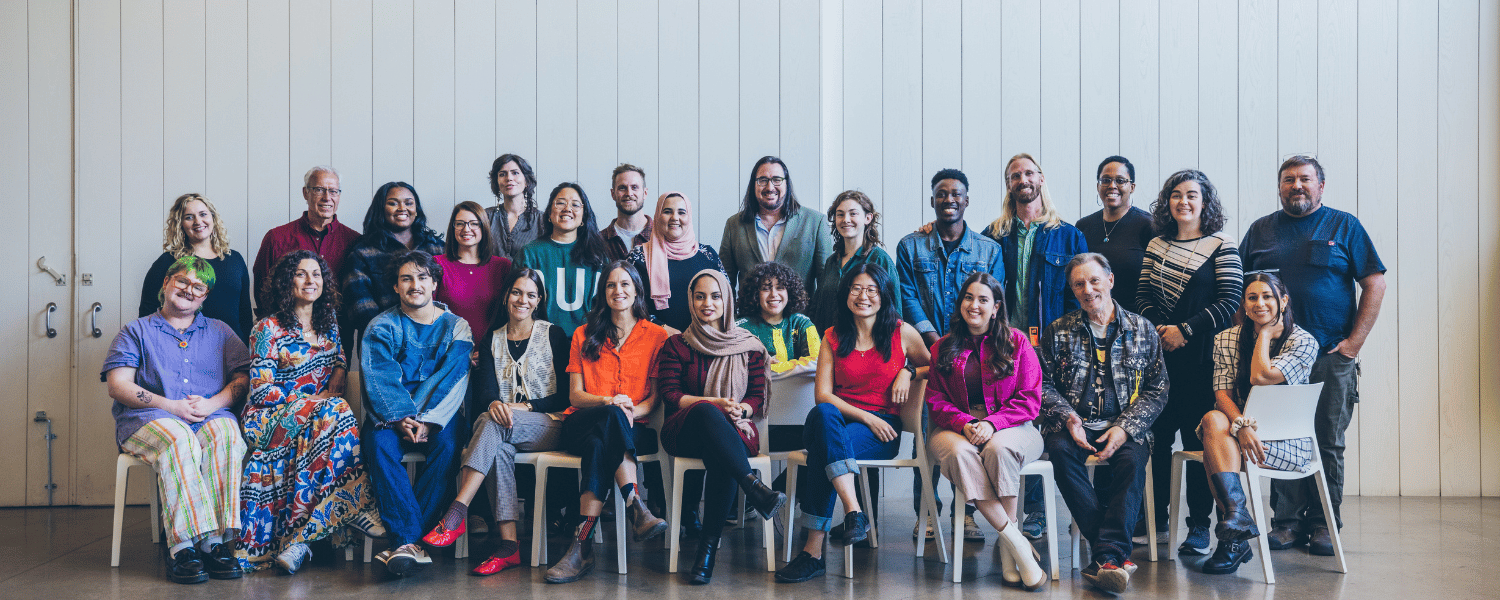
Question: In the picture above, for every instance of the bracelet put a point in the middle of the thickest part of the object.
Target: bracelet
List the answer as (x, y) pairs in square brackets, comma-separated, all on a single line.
[(1242, 422), (1187, 331)]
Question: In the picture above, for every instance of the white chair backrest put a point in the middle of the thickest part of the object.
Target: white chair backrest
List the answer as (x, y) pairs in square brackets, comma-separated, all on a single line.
[(792, 398), (1283, 412)]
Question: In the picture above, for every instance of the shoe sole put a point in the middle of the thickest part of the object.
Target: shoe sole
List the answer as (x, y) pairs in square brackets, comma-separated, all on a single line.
[(809, 577), (401, 565), (199, 578), (587, 568), (1315, 551), (1231, 568), (659, 528), (780, 502), (1109, 581), (229, 575), (1186, 549), (1275, 545), (852, 541)]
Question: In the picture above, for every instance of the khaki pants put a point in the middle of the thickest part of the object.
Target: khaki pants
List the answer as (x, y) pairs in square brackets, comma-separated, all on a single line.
[(993, 471)]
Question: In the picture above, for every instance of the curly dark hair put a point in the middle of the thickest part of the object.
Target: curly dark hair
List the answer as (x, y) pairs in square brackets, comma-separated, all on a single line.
[(284, 302), (1211, 220), (748, 303), (996, 342)]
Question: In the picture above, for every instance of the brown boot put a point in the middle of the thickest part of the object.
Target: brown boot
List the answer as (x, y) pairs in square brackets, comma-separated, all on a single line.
[(643, 524), (576, 564)]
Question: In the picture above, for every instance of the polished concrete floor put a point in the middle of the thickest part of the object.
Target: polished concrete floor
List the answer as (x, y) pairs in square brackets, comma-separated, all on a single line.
[(1396, 548)]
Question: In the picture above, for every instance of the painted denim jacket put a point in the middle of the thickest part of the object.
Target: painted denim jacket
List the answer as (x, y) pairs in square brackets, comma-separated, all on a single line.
[(929, 279), (1139, 374)]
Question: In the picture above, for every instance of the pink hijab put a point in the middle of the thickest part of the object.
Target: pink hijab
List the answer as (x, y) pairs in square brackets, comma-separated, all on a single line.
[(659, 251)]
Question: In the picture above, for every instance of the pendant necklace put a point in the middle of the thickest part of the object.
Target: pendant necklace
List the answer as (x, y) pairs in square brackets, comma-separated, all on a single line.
[(1108, 230)]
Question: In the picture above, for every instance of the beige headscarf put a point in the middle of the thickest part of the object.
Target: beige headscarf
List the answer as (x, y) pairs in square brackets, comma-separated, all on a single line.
[(730, 345)]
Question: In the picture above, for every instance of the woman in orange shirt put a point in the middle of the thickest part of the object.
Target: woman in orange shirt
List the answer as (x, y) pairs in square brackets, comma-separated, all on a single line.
[(612, 387)]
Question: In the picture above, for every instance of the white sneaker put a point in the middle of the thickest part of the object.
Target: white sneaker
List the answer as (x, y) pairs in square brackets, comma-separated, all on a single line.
[(369, 524), (291, 559), (971, 530), (402, 560)]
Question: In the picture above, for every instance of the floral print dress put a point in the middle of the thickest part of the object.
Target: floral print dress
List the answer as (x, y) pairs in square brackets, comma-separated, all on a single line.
[(303, 474)]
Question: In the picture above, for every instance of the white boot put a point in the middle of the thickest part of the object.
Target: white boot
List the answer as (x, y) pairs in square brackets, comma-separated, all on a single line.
[(1007, 564), (1024, 556)]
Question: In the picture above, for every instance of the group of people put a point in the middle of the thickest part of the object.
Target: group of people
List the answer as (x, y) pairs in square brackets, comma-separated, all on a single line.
[(524, 327)]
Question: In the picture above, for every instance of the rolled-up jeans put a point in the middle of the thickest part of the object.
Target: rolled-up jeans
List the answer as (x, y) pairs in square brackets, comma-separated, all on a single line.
[(834, 443)]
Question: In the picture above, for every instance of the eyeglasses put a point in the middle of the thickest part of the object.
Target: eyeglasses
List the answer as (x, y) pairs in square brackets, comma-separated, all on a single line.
[(765, 180), (1115, 181), (197, 289), (319, 191), (864, 290), (466, 225)]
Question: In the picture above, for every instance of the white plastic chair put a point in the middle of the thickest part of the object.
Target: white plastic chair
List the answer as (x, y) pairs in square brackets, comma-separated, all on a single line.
[(1040, 468), (1282, 412), (760, 463), (122, 470), (911, 423), (1149, 503)]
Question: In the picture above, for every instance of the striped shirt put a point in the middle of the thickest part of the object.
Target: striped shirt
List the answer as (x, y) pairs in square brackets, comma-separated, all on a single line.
[(1169, 292)]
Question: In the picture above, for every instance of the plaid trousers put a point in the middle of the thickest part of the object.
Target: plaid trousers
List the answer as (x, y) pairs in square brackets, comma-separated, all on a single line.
[(198, 474)]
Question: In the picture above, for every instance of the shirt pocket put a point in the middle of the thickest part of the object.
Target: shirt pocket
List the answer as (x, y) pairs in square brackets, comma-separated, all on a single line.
[(928, 272), (1055, 261), (1320, 253), (969, 267)]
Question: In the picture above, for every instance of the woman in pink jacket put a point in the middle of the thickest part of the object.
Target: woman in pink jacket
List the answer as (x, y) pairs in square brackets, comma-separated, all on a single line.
[(984, 390)]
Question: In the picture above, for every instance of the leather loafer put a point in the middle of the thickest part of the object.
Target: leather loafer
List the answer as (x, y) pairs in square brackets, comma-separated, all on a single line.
[(186, 566), (1282, 538), (221, 563), (1321, 543)]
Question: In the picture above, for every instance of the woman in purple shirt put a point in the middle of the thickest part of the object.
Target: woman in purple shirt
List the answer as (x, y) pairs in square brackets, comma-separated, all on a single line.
[(985, 390), (472, 269)]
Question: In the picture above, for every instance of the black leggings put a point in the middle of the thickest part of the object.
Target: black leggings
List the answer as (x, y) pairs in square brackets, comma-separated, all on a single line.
[(708, 435)]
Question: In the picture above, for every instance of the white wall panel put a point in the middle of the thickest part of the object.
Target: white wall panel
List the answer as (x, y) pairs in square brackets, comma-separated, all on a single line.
[(719, 122), (516, 43), (1180, 89), (984, 89), (598, 103), (942, 109), (475, 136), (310, 101), (393, 104), (227, 124), (863, 32), (1489, 245), (1061, 140), (1218, 99), (1257, 110), (141, 100), (433, 122), (269, 116), (760, 98), (800, 134), (1296, 77), (1099, 97), (16, 332), (638, 83), (831, 98), (904, 188), (1140, 89), (677, 97), (183, 65), (1021, 93), (353, 123)]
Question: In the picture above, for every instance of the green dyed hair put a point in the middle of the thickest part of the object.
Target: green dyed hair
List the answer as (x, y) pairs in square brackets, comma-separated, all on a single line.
[(191, 265)]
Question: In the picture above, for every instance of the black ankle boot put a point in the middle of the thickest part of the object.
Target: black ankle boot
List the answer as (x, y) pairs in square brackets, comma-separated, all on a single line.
[(702, 571), (1227, 557), (1236, 522), (765, 500)]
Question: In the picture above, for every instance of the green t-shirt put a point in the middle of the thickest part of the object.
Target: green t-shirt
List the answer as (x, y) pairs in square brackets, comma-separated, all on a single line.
[(570, 286)]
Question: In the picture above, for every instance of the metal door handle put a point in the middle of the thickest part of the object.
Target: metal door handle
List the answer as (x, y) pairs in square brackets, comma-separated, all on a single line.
[(94, 319), (51, 308)]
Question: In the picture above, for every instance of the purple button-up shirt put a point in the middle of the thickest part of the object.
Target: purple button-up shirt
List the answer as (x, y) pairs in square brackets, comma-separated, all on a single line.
[(174, 365)]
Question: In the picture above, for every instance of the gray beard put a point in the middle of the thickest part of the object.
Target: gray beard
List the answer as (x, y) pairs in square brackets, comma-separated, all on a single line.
[(1297, 208)]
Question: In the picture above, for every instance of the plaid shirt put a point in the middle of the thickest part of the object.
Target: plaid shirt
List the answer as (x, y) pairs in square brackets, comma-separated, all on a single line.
[(616, 246), (1136, 367), (1294, 359), (365, 290)]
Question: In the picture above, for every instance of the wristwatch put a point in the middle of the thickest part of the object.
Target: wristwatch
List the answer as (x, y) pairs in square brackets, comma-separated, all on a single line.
[(911, 368), (525, 405)]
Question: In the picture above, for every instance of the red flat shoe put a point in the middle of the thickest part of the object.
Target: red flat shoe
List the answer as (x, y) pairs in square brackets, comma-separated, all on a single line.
[(496, 564), (442, 537)]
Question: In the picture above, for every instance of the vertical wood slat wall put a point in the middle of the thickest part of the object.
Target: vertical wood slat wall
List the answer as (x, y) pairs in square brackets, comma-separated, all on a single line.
[(1398, 98)]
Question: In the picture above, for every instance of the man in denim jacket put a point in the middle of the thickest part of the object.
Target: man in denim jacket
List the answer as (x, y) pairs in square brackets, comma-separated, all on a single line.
[(415, 369), (933, 262), (1104, 383)]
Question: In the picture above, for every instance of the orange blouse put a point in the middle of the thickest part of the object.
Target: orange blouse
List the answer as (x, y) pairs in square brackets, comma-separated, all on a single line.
[(625, 370)]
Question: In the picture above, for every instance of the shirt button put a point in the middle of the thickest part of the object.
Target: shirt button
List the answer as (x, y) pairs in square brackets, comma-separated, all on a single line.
[(184, 381)]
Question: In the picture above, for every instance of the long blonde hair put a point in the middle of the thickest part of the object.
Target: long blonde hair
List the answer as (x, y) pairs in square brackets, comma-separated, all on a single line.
[(174, 240), (1001, 226)]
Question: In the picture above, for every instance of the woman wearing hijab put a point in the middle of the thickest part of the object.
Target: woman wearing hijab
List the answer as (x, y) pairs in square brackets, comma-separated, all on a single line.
[(671, 259), (712, 377)]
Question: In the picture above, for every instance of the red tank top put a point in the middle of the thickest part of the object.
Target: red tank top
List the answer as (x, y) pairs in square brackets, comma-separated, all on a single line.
[(862, 378)]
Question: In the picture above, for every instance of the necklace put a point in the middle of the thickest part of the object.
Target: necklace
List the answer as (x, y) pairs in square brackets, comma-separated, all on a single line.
[(1108, 230)]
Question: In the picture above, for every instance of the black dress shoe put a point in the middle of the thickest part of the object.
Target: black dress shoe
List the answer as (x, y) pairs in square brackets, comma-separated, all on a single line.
[(702, 571), (1228, 557), (221, 563), (691, 526), (186, 567), (765, 500), (1321, 543)]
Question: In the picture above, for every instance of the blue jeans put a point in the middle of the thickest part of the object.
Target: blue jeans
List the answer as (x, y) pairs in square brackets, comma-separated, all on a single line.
[(409, 510), (833, 445), (1107, 507)]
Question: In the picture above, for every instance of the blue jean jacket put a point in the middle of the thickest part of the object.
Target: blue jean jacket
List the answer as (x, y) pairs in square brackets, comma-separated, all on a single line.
[(409, 371), (930, 280), (1050, 297)]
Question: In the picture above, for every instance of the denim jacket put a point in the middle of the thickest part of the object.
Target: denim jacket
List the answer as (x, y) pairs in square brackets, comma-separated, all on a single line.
[(1050, 252), (930, 280), (1137, 369), (407, 374)]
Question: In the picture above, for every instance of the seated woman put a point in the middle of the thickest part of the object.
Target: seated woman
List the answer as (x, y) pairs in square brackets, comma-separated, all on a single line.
[(612, 389), (986, 391), (770, 305), (858, 415), (181, 422), (519, 394), (1264, 348), (713, 378), (304, 478)]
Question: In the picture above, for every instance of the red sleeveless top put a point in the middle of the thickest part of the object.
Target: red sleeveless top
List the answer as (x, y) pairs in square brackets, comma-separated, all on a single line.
[(862, 378)]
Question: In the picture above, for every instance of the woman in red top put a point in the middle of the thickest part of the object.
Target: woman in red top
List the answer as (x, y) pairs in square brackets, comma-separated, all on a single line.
[(713, 378), (868, 363), (472, 270)]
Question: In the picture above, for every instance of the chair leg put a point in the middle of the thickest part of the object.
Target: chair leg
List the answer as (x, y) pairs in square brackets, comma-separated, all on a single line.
[(664, 467), (1333, 529), (158, 529), (768, 526), (122, 477), (1174, 510), (930, 511), (869, 505), (1258, 508), (959, 501), (1049, 487), (676, 521), (791, 509), (1150, 512), (1074, 536), (620, 553), (539, 517), (369, 548)]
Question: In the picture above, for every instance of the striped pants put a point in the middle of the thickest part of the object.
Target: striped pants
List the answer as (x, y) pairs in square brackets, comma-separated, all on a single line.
[(198, 474), (493, 448)]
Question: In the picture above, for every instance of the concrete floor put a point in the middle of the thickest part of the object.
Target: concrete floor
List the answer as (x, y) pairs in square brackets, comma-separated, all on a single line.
[(1396, 548)]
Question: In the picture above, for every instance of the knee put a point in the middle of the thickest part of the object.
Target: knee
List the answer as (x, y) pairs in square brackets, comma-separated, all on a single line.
[(704, 411), (1214, 421), (821, 416)]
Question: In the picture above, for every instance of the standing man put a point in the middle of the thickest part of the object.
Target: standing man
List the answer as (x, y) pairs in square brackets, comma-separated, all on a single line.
[(415, 367), (1119, 231), (319, 230), (1320, 253), (931, 266), (1037, 246), (772, 225), (630, 228), (1103, 384)]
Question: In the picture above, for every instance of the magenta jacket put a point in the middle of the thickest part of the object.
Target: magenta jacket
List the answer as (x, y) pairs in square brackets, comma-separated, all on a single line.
[(1010, 401)]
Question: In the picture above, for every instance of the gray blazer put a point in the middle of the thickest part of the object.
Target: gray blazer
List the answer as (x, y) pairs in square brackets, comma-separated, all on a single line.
[(805, 246)]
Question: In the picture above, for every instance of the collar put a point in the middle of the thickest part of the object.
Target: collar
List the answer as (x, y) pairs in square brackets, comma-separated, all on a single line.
[(161, 323), (307, 227), (779, 223), (1023, 228), (1121, 323), (965, 242)]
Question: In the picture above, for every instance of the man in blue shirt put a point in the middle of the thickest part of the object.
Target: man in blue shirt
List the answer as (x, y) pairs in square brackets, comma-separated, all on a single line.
[(1320, 253), (932, 264), (415, 368)]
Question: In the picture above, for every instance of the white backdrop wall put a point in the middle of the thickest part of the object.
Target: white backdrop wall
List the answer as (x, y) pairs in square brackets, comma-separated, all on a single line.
[(236, 99)]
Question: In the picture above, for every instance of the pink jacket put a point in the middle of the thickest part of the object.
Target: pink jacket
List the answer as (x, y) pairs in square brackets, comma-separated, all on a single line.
[(1010, 401)]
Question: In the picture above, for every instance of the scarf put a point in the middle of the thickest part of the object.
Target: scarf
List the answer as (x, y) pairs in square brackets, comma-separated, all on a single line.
[(730, 345), (659, 251)]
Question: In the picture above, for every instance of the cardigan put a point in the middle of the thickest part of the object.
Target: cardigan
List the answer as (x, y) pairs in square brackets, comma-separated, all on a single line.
[(1009, 402), (681, 371), (805, 246)]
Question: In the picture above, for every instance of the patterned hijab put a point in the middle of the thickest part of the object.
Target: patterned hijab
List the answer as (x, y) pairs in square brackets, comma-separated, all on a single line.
[(659, 251)]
